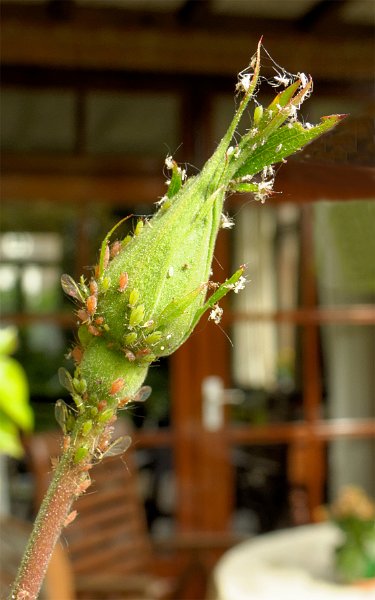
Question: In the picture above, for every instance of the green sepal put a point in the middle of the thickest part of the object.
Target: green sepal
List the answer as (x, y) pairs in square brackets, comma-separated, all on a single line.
[(105, 242), (218, 294), (284, 142)]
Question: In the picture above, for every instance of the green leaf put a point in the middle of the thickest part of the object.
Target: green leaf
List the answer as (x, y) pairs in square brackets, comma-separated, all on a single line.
[(284, 142), (8, 340), (14, 393), (9, 439)]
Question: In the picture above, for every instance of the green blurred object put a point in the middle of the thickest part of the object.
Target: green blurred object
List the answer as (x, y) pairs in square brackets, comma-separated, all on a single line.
[(354, 513), (15, 411)]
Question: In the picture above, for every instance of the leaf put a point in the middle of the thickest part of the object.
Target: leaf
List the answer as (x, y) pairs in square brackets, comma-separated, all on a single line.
[(8, 340), (14, 393), (9, 439), (284, 142)]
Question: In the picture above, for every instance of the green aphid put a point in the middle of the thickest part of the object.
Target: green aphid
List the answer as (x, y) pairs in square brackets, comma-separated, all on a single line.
[(105, 284), (137, 315), (133, 298), (130, 338), (153, 338), (126, 240), (105, 415), (80, 385), (258, 114), (138, 227), (80, 454), (78, 400), (148, 359), (93, 411), (87, 426)]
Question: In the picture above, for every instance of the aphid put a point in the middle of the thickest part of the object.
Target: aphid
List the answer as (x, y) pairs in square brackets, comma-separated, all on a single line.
[(93, 287), (154, 337), (70, 518), (86, 428), (131, 338), (71, 288), (105, 283), (129, 355), (143, 394), (102, 405), (137, 315), (76, 353), (170, 272), (115, 249), (54, 462), (94, 331), (142, 352), (138, 227), (80, 454), (63, 416), (83, 315), (123, 282), (66, 442), (106, 257), (117, 447), (105, 416), (66, 380), (116, 386), (133, 297), (99, 320), (278, 148), (258, 113), (84, 485), (91, 304), (86, 467)]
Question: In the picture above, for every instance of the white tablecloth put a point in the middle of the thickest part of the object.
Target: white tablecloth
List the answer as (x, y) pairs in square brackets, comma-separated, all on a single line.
[(293, 564)]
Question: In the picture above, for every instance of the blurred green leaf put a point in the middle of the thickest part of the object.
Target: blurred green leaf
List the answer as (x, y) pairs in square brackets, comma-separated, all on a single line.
[(9, 440), (14, 393)]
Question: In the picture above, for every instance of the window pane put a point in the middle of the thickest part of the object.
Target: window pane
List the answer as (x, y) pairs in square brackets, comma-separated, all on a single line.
[(37, 120), (345, 250), (137, 123), (351, 462), (348, 367)]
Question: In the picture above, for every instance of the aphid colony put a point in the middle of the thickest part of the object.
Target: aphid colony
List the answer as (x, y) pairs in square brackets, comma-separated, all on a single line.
[(140, 338), (91, 419)]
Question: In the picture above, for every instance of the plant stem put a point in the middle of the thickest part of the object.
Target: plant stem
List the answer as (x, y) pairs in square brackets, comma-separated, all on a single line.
[(47, 528)]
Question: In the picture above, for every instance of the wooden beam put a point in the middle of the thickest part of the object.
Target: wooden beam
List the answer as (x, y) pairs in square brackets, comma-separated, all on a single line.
[(78, 44)]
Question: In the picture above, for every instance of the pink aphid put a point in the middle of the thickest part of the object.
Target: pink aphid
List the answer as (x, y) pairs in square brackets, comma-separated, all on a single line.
[(117, 386), (115, 248), (93, 287), (91, 304), (123, 281), (94, 331), (70, 518)]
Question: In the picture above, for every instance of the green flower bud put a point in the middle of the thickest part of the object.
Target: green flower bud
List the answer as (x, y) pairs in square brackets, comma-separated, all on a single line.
[(168, 259)]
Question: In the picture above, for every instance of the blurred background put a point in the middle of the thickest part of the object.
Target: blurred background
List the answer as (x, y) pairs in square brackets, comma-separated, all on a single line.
[(254, 424)]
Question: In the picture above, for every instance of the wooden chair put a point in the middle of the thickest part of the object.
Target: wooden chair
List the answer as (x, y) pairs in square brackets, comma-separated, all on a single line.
[(108, 543)]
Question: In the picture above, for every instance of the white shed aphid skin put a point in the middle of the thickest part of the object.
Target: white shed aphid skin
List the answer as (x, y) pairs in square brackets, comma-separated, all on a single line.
[(304, 79), (226, 222), (216, 314), (169, 162), (244, 80), (278, 148)]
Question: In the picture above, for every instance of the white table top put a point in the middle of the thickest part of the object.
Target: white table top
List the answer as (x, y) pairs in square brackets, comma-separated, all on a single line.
[(292, 564)]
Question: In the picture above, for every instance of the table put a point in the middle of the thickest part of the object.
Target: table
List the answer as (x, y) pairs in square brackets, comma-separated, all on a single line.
[(292, 564)]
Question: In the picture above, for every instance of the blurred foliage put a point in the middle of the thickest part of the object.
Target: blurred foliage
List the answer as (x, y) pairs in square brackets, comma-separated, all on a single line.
[(15, 411)]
